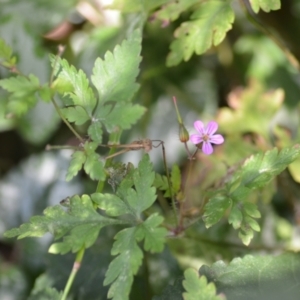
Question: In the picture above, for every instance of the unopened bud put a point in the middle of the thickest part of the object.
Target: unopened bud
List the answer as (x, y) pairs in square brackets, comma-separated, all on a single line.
[(183, 134)]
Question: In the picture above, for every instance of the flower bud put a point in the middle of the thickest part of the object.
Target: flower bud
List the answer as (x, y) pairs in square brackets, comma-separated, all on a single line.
[(183, 134)]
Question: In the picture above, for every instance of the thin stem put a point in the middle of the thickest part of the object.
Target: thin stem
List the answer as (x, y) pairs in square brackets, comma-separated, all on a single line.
[(60, 52), (76, 267), (65, 121), (292, 59), (184, 193), (169, 184), (49, 147)]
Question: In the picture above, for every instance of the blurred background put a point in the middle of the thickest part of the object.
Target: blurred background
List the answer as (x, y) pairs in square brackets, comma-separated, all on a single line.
[(247, 84)]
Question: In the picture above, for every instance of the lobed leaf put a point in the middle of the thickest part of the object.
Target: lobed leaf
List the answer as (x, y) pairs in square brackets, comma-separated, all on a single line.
[(75, 114), (77, 161), (256, 172), (111, 204), (123, 116), (115, 76), (22, 93), (77, 84), (208, 26), (80, 225), (198, 288), (161, 182), (129, 6), (172, 10), (265, 5), (133, 201), (215, 209), (94, 166), (144, 194), (153, 235), (47, 293), (122, 269), (266, 277), (6, 58)]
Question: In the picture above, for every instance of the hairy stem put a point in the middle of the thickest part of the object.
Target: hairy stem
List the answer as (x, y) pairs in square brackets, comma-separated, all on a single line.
[(76, 267)]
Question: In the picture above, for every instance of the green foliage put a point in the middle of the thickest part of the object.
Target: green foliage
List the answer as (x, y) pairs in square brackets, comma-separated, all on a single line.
[(43, 290), (252, 111), (197, 287), (6, 58), (115, 81), (23, 92), (256, 172), (208, 26), (98, 107), (265, 5), (79, 225), (129, 6), (172, 10), (256, 277), (161, 182), (74, 84), (131, 201), (46, 294), (90, 160)]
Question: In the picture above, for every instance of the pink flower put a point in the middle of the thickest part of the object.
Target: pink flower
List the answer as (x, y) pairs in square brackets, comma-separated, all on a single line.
[(206, 136)]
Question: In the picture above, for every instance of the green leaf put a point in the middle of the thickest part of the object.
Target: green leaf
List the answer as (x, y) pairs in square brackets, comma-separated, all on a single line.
[(265, 5), (134, 194), (122, 269), (94, 167), (76, 114), (197, 287), (81, 92), (144, 194), (129, 6), (90, 160), (80, 225), (215, 209), (123, 116), (112, 204), (172, 10), (259, 169), (115, 76), (154, 236), (256, 172), (46, 294), (235, 217), (95, 131), (78, 159), (6, 58), (267, 277), (43, 289), (22, 93), (161, 182), (208, 26)]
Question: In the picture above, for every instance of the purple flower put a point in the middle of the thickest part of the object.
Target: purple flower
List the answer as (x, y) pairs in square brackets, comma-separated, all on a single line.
[(206, 136)]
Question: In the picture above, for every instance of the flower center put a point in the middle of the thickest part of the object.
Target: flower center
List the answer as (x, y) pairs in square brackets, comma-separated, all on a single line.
[(205, 137)]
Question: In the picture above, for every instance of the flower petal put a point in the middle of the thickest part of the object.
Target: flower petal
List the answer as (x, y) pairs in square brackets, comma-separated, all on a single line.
[(199, 126), (216, 139), (196, 139), (211, 127), (207, 148)]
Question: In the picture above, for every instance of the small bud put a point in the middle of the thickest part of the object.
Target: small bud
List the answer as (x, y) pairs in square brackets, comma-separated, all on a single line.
[(183, 134)]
